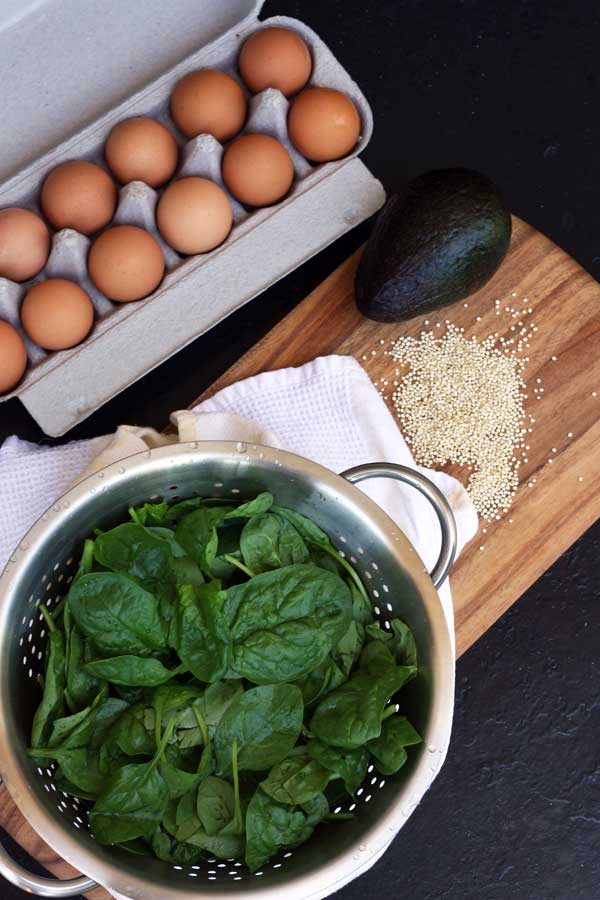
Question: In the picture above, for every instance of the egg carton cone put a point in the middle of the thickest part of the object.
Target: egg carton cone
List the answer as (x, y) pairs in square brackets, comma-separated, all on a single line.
[(61, 389)]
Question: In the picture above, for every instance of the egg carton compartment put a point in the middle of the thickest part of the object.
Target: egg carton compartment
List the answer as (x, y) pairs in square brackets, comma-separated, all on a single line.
[(201, 156)]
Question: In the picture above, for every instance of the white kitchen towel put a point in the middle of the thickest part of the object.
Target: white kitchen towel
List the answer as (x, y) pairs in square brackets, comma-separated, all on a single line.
[(326, 410)]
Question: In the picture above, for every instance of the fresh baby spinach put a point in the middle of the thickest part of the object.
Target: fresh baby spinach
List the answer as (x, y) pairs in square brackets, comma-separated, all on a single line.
[(215, 680)]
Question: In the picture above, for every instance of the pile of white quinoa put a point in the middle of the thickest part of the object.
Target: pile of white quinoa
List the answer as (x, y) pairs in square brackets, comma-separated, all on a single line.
[(461, 400)]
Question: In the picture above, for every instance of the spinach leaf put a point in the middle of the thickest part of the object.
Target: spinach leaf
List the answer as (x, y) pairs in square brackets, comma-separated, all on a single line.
[(269, 542), (171, 850), (131, 805), (170, 704), (168, 535), (130, 735), (218, 813), (186, 571), (133, 550), (132, 670), (352, 714), (223, 846), (348, 649), (118, 614), (134, 801), (197, 534), (202, 640), (80, 688), (150, 513), (320, 681), (216, 700), (178, 781), (184, 507), (210, 707), (62, 783), (349, 765), (88, 724), (52, 704), (271, 826), (264, 722), (130, 695), (215, 804), (400, 641), (296, 779), (62, 728), (284, 623), (80, 765), (315, 809), (311, 532), (376, 658), (260, 504), (388, 749), (362, 611), (186, 817), (228, 546)]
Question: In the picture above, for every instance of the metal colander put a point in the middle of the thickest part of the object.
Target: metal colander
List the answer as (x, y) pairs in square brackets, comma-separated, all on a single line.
[(41, 570)]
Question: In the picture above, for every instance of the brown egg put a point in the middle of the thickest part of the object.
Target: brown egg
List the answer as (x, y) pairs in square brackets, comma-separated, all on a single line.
[(79, 195), (126, 263), (194, 215), (208, 102), (141, 150), (57, 314), (323, 124), (24, 244), (257, 170), (13, 357), (277, 58)]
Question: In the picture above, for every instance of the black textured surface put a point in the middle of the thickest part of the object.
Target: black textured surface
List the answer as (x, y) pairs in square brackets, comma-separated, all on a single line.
[(511, 89)]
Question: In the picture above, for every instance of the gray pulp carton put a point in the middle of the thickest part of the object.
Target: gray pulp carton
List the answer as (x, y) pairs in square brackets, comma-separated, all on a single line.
[(128, 340)]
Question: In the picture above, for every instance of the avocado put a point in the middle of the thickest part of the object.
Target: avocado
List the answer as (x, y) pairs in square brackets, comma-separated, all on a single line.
[(437, 243)]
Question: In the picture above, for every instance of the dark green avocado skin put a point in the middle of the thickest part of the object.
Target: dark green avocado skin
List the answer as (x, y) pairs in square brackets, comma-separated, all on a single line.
[(436, 244)]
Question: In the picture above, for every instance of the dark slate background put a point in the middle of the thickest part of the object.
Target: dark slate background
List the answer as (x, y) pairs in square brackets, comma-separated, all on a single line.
[(509, 88)]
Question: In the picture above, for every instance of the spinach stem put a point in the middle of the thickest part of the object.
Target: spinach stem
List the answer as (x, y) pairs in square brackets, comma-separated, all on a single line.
[(160, 753), (87, 558), (389, 711), (237, 815), (58, 609), (328, 548), (134, 515), (48, 617), (202, 724), (240, 565)]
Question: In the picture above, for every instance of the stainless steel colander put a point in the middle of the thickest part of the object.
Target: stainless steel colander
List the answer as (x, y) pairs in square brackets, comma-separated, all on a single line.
[(41, 570)]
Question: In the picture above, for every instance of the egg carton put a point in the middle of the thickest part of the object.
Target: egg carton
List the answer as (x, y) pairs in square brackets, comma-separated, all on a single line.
[(128, 340)]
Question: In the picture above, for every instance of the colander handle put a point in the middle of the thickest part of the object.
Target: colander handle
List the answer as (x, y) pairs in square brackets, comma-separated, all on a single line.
[(442, 509), (37, 884)]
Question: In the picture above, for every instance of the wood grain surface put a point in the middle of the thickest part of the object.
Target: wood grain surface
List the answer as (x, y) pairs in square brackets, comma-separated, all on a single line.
[(545, 519)]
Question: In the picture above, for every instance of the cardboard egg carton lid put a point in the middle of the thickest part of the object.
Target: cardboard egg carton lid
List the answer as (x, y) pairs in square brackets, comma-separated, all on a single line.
[(61, 389)]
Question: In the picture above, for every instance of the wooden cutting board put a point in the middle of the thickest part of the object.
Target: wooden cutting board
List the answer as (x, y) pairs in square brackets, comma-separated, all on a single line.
[(564, 499)]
